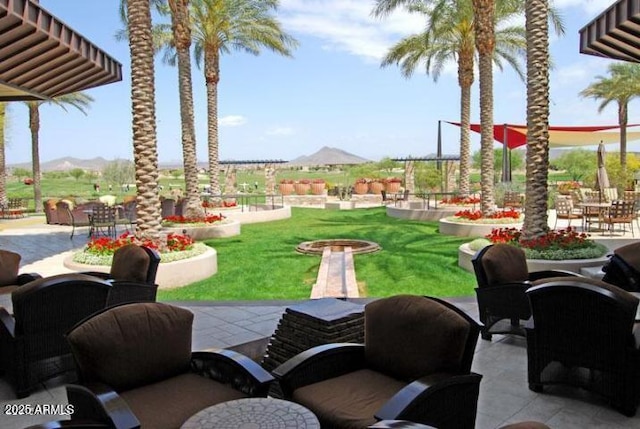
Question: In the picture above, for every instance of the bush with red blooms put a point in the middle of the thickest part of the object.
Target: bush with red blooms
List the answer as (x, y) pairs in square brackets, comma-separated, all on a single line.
[(108, 245), (460, 200), (169, 220), (477, 214)]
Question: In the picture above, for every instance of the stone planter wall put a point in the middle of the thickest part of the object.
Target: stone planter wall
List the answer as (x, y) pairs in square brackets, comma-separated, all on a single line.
[(465, 254), (472, 229), (171, 274), (198, 233)]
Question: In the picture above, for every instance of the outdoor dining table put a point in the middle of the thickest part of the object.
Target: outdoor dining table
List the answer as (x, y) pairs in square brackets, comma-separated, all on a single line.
[(601, 207)]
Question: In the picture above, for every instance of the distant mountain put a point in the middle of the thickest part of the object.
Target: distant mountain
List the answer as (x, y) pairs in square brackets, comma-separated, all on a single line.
[(67, 163), (329, 156)]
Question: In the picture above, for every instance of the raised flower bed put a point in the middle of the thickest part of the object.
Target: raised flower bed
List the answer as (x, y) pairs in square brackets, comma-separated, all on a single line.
[(471, 223), (182, 261)]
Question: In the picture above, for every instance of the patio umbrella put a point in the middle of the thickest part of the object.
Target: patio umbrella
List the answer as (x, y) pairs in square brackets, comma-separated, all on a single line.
[(602, 179)]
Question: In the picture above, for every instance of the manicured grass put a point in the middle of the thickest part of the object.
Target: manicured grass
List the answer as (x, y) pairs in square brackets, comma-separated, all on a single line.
[(261, 263)]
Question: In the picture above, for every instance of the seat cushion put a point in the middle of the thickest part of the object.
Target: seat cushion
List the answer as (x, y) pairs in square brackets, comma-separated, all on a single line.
[(133, 345), (9, 267), (169, 403), (348, 401), (130, 263), (504, 263), (409, 336)]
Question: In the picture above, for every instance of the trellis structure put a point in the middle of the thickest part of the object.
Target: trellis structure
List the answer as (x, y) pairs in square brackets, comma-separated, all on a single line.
[(230, 173), (447, 174)]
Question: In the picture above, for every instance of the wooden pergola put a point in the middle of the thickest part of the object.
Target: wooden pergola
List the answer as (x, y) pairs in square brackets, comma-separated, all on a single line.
[(446, 173)]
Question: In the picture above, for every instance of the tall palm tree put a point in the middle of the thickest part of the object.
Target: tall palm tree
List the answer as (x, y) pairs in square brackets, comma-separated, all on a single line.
[(449, 36), (80, 101), (145, 150), (181, 29), (537, 165), (622, 86), (220, 26)]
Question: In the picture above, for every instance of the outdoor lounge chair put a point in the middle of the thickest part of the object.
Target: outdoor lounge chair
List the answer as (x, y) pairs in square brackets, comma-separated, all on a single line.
[(32, 344), (623, 268), (415, 364), (132, 275), (137, 369), (10, 279), (582, 334), (503, 277)]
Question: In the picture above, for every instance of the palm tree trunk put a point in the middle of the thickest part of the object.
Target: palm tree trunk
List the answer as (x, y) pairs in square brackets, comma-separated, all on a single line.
[(145, 151), (535, 212), (212, 77), (3, 166), (34, 127), (622, 121), (465, 80), (182, 37), (484, 22)]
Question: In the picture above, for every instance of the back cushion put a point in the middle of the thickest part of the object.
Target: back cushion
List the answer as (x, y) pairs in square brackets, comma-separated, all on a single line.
[(133, 345), (411, 336), (9, 266), (630, 254), (130, 263), (504, 263)]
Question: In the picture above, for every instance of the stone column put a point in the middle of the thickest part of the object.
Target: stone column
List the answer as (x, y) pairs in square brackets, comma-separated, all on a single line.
[(409, 180), (230, 180), (270, 179)]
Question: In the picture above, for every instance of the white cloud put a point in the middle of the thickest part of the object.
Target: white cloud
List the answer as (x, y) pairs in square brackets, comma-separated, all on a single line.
[(347, 25), (280, 131), (232, 121)]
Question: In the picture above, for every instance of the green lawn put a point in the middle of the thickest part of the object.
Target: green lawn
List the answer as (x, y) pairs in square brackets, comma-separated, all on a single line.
[(261, 263)]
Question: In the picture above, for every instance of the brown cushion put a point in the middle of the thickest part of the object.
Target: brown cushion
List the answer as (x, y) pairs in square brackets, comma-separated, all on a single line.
[(133, 345), (622, 294), (130, 263), (411, 336), (630, 254), (348, 401), (526, 425), (9, 267), (169, 403), (504, 263)]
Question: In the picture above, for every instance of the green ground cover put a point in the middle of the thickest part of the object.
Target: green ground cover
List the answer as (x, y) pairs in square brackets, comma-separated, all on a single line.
[(261, 263)]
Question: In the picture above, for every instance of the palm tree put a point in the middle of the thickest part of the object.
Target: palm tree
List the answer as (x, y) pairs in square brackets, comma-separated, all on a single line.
[(80, 101), (181, 29), (622, 86), (145, 150), (449, 36), (220, 26)]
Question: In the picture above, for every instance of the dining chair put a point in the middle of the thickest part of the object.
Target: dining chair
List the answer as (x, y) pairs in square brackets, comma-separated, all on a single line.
[(103, 221), (566, 211), (620, 213)]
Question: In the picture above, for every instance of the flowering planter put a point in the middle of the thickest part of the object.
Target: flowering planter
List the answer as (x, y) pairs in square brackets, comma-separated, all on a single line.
[(392, 187), (376, 187), (170, 274), (228, 228), (286, 188), (317, 188), (302, 188), (458, 229), (360, 188), (465, 254)]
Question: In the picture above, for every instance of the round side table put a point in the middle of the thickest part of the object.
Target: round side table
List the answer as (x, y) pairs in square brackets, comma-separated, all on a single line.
[(253, 413)]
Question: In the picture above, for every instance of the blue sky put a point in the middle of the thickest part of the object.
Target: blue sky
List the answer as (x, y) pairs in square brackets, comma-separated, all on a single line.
[(332, 93)]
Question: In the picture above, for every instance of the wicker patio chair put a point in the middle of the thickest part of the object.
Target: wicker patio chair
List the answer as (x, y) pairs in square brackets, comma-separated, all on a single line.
[(10, 277), (503, 277), (132, 275), (415, 364), (32, 343), (136, 368), (623, 268), (582, 334)]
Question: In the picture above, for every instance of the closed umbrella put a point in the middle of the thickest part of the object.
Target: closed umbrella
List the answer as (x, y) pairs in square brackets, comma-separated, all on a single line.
[(602, 178)]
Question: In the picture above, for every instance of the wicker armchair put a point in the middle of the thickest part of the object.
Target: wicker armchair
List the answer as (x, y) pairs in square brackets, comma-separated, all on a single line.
[(503, 277), (415, 364), (582, 334), (32, 343), (132, 275), (10, 278), (623, 268), (137, 369)]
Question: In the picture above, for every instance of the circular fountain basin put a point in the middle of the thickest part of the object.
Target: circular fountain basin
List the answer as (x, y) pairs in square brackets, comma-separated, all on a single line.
[(316, 247)]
